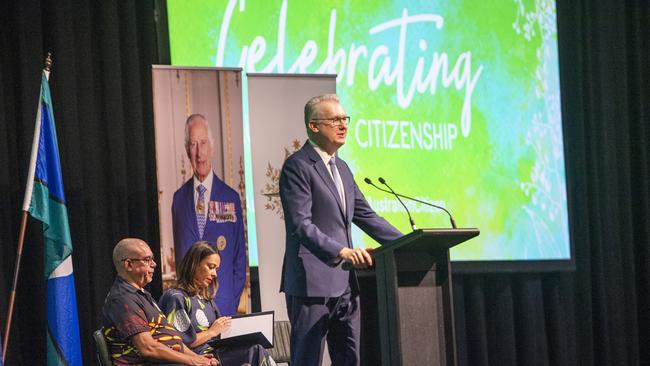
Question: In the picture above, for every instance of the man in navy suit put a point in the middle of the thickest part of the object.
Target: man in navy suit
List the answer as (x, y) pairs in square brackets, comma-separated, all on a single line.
[(205, 208), (321, 201)]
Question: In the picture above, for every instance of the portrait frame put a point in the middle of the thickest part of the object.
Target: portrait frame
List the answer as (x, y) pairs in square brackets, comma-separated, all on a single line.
[(215, 93)]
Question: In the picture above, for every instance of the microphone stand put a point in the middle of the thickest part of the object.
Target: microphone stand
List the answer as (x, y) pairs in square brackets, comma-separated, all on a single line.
[(451, 219)]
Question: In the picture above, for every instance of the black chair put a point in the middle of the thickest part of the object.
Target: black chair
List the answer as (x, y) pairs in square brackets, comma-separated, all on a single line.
[(103, 358), (281, 351)]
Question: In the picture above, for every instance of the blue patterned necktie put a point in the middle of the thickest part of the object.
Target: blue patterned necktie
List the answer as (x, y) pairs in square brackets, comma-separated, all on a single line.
[(200, 209), (337, 180)]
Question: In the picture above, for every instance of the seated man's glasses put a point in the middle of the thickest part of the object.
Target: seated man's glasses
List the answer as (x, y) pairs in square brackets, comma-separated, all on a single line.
[(334, 121), (146, 260)]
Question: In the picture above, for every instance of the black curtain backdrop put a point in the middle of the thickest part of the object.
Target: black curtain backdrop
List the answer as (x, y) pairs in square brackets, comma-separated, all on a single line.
[(101, 90)]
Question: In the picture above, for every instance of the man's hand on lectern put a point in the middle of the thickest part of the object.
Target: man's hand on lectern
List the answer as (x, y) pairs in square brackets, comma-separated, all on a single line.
[(360, 258)]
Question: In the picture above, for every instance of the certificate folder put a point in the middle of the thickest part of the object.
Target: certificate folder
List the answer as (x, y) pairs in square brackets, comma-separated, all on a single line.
[(247, 330)]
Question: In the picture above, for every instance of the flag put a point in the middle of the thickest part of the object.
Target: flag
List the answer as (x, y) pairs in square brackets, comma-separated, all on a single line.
[(45, 201)]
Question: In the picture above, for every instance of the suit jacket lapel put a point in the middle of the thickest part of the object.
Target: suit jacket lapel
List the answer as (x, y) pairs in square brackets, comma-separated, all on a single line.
[(214, 195), (191, 210), (324, 174), (348, 185)]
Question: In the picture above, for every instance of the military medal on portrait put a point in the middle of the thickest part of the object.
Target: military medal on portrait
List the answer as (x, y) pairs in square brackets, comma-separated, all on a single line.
[(222, 212)]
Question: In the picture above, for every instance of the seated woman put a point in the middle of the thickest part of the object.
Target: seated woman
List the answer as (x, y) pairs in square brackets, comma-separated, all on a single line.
[(191, 309)]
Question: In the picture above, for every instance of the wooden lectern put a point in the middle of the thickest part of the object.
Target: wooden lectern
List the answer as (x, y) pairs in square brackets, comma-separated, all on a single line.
[(414, 298)]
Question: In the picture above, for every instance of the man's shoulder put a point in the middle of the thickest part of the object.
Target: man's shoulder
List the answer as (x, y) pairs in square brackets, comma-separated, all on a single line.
[(118, 295), (222, 189), (187, 185), (119, 288), (111, 299), (300, 157)]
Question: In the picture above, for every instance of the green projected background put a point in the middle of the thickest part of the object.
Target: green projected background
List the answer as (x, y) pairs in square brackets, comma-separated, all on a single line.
[(454, 102)]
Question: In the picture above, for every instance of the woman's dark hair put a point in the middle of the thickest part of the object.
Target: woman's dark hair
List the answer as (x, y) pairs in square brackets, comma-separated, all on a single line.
[(186, 269)]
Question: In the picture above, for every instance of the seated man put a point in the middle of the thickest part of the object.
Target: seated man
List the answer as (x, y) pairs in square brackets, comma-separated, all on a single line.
[(136, 330)]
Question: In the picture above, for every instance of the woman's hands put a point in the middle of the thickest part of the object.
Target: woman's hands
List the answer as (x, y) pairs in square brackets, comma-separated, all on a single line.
[(214, 330), (219, 325)]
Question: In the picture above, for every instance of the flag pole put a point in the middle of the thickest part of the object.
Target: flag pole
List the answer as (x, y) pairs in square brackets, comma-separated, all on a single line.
[(23, 224), (12, 296)]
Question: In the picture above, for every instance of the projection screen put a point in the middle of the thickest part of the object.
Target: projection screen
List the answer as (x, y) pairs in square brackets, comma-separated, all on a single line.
[(456, 103)]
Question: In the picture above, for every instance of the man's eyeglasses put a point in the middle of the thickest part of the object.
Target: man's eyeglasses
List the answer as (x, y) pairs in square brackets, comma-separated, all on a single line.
[(146, 260), (334, 121)]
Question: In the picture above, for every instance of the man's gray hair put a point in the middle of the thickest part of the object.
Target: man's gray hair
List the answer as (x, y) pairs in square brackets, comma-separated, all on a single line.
[(191, 120), (124, 249), (310, 107)]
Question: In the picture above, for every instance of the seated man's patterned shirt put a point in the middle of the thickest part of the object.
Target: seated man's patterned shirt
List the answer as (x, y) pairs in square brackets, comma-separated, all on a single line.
[(128, 311)]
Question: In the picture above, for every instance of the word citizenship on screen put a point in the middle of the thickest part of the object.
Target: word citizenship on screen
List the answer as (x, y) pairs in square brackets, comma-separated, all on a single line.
[(404, 135)]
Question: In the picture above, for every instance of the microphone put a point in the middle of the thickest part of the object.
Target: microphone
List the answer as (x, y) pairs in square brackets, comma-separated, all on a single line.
[(381, 180)]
